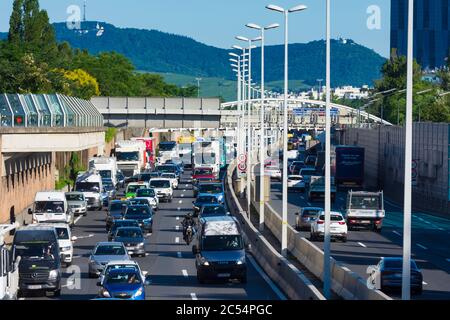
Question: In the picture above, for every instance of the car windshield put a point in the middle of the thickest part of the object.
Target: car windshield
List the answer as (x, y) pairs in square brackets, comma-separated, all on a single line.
[(139, 201), (62, 233), (133, 187), (168, 176), (141, 210), (202, 171), (295, 178), (309, 213), (210, 188), (122, 223), (122, 277), (49, 206), (160, 184), (222, 243), (116, 206), (167, 146), (105, 173), (129, 233), (213, 210), (127, 156), (206, 200), (397, 264), (109, 250), (164, 169), (334, 217), (363, 202), (75, 197), (87, 186), (35, 249), (145, 193)]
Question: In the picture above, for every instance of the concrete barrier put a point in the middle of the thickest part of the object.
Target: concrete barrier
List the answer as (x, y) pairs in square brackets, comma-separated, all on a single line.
[(345, 283), (291, 280)]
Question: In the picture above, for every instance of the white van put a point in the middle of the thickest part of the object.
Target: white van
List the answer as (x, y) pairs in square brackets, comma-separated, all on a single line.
[(65, 241), (51, 206), (90, 183)]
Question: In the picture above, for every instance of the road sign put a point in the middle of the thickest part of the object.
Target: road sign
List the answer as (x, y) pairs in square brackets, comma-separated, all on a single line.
[(242, 167)]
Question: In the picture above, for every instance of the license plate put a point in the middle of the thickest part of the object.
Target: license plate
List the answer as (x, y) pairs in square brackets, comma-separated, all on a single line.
[(223, 275), (35, 287), (365, 221), (130, 252)]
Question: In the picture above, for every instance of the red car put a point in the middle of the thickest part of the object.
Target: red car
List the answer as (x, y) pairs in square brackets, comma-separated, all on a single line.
[(200, 173)]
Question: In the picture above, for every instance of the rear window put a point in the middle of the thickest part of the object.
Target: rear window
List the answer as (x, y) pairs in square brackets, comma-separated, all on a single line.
[(110, 250), (333, 217), (309, 213), (145, 193), (295, 178), (397, 264)]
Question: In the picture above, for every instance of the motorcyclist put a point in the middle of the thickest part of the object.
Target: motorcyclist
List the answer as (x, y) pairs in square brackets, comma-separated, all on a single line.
[(188, 221)]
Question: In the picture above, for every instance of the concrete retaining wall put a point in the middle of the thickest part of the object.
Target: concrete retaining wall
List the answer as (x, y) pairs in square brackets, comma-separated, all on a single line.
[(291, 280)]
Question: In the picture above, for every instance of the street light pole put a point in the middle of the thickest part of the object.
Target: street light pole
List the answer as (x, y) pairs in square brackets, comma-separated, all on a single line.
[(285, 121), (262, 125), (406, 272), (327, 244)]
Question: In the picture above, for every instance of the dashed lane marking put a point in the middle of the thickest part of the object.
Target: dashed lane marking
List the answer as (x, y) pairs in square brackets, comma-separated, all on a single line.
[(178, 218), (85, 237), (179, 254), (181, 201), (362, 244), (177, 240), (397, 233), (177, 228), (421, 246), (194, 296), (267, 279), (77, 219), (184, 272), (182, 195)]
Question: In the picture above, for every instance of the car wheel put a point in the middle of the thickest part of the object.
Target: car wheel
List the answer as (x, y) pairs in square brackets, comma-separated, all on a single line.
[(57, 293)]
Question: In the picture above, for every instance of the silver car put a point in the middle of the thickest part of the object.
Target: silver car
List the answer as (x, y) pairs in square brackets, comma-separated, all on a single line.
[(304, 219), (103, 253), (77, 202)]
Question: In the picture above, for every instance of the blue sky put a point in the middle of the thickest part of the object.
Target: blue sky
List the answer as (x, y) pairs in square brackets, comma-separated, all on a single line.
[(216, 22)]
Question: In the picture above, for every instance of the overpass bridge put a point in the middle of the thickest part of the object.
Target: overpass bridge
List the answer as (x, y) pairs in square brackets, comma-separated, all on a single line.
[(167, 113)]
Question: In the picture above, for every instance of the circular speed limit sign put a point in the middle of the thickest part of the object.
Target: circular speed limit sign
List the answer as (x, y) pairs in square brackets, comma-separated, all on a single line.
[(242, 158), (242, 167)]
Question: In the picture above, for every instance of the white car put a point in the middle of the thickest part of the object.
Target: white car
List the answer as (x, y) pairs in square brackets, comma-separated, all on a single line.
[(163, 188), (295, 182), (65, 240), (273, 172), (173, 179), (338, 227), (149, 194)]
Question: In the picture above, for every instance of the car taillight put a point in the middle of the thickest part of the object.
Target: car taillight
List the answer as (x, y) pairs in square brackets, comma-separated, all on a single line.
[(377, 221), (320, 222), (341, 223)]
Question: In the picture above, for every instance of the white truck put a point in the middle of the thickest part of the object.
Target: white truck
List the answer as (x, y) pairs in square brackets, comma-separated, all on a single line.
[(9, 269), (365, 210), (90, 183), (206, 154), (131, 157), (51, 206), (106, 167)]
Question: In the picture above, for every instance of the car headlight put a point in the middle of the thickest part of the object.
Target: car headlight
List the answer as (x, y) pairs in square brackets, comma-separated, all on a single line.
[(138, 293), (53, 275), (240, 261), (65, 249), (147, 221), (140, 245), (205, 263), (105, 293)]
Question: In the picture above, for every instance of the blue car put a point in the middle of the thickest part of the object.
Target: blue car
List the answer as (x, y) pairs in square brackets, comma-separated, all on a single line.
[(213, 210), (203, 200), (123, 283), (214, 189), (143, 214)]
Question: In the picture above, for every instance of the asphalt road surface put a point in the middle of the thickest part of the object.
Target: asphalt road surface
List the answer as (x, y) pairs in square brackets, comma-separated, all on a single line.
[(169, 261), (430, 246)]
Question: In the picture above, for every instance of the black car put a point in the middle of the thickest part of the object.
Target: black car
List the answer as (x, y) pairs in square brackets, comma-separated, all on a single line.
[(388, 272), (121, 223), (199, 181), (203, 200), (116, 210), (142, 214), (132, 238)]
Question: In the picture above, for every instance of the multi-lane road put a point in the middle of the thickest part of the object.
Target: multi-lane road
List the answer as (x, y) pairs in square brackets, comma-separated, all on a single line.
[(169, 261), (430, 236)]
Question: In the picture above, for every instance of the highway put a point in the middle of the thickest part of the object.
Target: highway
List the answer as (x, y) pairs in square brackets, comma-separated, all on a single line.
[(429, 242), (169, 261)]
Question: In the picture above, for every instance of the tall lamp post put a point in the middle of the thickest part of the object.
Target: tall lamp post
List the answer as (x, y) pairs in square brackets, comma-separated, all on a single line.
[(262, 126), (249, 132), (406, 272), (285, 124)]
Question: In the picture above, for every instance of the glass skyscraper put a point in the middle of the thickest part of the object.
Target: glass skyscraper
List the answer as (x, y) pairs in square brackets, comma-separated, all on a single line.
[(431, 31)]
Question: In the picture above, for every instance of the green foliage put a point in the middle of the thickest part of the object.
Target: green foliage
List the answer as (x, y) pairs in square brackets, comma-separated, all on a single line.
[(110, 134)]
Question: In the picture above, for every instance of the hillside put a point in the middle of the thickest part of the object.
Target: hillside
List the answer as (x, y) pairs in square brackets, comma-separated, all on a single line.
[(156, 51)]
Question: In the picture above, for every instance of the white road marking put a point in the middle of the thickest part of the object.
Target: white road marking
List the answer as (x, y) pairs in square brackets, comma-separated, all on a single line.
[(77, 219), (187, 185), (362, 244), (177, 218), (184, 271), (421, 246), (184, 190), (423, 282), (76, 257), (177, 240), (179, 209), (181, 201), (177, 227), (182, 195), (194, 296), (85, 237), (179, 254), (397, 233), (267, 279)]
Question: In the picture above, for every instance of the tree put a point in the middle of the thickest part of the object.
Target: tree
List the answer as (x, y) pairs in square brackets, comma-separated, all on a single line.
[(81, 83), (15, 22)]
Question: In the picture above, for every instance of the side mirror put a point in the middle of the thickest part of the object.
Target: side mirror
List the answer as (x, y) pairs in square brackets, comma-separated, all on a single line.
[(30, 211), (228, 213), (147, 281)]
